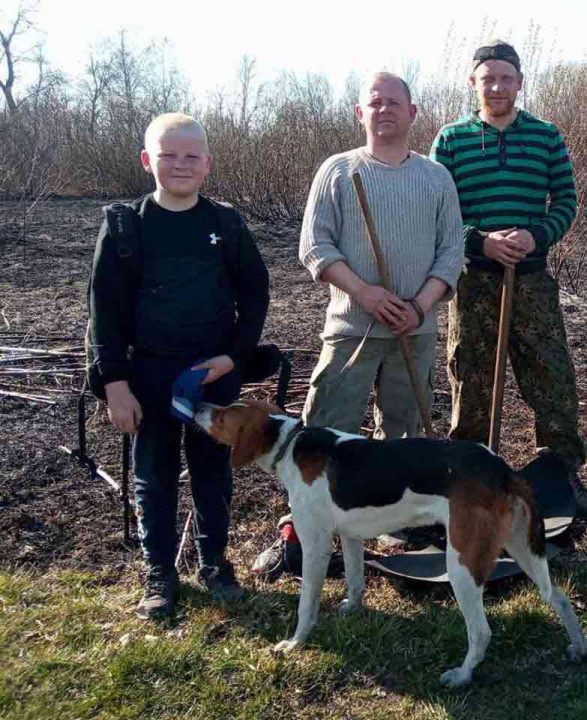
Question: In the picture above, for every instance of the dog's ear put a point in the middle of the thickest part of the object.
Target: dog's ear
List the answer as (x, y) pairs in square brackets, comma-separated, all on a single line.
[(247, 446), (255, 437)]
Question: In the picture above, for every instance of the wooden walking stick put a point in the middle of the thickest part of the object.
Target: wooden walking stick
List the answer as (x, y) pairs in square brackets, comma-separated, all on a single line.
[(501, 358), (404, 345)]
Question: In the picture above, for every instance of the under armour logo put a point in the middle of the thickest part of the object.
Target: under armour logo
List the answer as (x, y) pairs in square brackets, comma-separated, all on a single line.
[(214, 238)]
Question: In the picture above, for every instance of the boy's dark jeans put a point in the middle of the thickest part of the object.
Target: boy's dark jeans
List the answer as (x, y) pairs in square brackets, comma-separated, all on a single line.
[(157, 465)]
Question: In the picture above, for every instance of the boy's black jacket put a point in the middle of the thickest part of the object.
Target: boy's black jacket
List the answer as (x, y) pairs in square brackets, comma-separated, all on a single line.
[(218, 307)]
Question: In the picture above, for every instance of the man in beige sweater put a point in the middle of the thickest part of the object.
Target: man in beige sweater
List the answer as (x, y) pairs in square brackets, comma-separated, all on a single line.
[(416, 211)]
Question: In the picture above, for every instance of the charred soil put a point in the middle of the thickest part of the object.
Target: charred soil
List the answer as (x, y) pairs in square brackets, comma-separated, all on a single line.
[(51, 513)]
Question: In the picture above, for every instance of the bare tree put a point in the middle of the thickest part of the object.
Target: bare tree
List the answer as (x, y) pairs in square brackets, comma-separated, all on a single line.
[(99, 74), (10, 57)]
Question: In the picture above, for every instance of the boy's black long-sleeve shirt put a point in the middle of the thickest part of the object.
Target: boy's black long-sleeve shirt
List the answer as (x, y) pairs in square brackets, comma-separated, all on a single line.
[(202, 288)]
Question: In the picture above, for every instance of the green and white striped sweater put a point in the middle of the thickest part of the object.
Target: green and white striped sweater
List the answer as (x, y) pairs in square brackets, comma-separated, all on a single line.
[(517, 177)]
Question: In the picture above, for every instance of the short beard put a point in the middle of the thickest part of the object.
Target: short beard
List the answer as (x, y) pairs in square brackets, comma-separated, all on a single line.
[(503, 111)]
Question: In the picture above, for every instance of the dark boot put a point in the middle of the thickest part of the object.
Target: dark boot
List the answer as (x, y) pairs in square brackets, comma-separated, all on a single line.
[(161, 595), (220, 581)]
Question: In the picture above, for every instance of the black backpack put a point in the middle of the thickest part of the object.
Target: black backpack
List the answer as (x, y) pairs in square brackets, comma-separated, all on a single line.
[(124, 229)]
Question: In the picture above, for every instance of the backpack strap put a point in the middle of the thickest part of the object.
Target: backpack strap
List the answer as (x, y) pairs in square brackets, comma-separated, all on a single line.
[(124, 230), (124, 227)]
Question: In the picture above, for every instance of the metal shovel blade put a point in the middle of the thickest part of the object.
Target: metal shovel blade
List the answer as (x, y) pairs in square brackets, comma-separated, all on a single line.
[(429, 564)]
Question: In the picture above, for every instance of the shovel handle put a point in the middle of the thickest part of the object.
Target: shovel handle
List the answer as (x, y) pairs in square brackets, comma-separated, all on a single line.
[(505, 317), (383, 269), (372, 232)]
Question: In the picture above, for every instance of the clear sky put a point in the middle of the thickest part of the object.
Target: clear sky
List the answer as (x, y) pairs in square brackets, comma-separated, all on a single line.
[(209, 37)]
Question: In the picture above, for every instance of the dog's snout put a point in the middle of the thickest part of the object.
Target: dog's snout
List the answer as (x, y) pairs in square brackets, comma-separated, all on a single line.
[(203, 415)]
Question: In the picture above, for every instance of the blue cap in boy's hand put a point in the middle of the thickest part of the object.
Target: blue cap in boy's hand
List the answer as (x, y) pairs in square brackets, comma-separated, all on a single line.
[(188, 390)]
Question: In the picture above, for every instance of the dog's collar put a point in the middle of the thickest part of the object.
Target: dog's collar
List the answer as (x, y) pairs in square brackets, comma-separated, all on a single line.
[(295, 430)]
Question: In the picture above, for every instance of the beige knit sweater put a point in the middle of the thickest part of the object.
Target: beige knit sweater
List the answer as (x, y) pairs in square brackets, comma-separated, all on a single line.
[(416, 212)]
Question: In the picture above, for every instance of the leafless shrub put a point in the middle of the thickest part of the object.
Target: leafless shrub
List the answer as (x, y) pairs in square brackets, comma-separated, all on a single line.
[(34, 137), (267, 163), (561, 96), (268, 140)]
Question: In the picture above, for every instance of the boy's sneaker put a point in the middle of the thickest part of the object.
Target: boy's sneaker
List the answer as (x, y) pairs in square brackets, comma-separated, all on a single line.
[(161, 595), (220, 581), (285, 555)]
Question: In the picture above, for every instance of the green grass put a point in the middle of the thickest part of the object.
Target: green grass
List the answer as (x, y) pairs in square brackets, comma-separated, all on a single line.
[(71, 649)]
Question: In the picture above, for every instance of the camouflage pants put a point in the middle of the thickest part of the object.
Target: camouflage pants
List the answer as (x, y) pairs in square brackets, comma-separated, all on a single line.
[(538, 353)]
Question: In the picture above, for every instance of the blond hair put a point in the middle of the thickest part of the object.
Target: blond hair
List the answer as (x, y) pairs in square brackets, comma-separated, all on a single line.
[(174, 122)]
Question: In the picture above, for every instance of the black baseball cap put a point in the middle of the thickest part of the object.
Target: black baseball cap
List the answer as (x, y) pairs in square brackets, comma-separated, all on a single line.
[(496, 50)]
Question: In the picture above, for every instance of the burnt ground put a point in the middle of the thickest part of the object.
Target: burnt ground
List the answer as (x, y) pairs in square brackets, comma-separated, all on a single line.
[(52, 515)]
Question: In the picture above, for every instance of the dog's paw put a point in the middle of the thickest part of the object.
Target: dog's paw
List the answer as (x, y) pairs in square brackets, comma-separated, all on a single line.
[(577, 652), (286, 646), (346, 607), (456, 677)]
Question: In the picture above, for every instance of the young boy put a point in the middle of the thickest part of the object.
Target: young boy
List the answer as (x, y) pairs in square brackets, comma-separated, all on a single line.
[(202, 295)]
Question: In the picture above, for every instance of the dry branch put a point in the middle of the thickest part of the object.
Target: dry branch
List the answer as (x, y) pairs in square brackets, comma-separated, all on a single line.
[(24, 396)]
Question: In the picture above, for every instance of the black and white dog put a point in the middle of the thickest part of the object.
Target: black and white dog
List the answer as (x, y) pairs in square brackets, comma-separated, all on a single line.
[(358, 488)]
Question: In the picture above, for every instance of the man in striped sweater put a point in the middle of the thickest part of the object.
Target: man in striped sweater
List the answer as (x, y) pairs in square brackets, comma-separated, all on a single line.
[(416, 212), (517, 195)]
